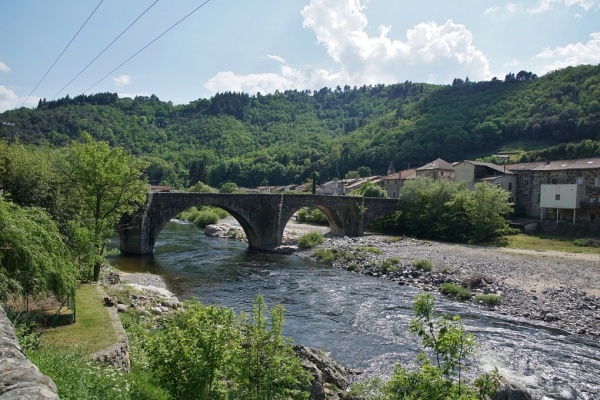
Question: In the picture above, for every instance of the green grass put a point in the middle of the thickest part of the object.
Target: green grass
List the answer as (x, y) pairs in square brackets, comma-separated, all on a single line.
[(542, 242), (423, 264), (92, 331), (310, 239), (488, 299), (456, 291)]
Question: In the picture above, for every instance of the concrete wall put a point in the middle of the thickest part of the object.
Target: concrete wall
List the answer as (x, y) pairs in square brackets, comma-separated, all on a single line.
[(19, 378)]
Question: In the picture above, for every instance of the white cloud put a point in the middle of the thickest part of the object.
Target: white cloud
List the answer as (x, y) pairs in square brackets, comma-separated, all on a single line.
[(122, 80), (9, 100), (4, 67), (511, 64), (512, 7), (548, 5), (572, 54), (492, 10), (430, 52), (276, 58)]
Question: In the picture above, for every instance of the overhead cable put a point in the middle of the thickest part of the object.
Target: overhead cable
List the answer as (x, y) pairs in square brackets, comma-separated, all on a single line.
[(60, 55), (106, 48), (143, 48)]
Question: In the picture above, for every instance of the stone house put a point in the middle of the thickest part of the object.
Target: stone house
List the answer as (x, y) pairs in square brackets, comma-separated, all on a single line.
[(392, 183), (559, 190), (473, 172), (437, 169)]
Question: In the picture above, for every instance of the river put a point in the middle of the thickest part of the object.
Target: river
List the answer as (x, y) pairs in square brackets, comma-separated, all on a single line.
[(361, 320)]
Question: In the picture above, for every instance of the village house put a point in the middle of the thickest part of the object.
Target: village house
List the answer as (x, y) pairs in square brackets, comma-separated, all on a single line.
[(436, 170), (566, 190), (473, 172), (393, 183)]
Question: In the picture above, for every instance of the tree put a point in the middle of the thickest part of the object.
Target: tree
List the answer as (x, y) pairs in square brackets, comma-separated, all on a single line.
[(370, 189), (486, 212), (229, 187), (109, 183), (441, 378), (34, 259), (363, 171)]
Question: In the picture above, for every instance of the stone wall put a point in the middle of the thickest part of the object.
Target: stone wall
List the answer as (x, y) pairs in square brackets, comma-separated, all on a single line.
[(19, 378)]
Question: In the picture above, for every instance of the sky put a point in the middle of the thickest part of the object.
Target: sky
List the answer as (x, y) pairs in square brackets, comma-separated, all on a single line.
[(183, 50)]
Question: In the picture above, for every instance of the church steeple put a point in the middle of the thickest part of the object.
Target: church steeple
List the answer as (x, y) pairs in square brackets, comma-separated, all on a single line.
[(391, 169)]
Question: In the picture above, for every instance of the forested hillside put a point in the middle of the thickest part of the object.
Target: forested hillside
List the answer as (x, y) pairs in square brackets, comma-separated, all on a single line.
[(283, 137)]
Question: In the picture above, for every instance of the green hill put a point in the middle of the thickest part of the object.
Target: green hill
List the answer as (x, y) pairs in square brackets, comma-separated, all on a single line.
[(281, 138)]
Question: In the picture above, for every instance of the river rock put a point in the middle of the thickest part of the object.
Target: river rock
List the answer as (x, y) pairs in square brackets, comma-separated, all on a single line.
[(511, 391), (121, 307), (330, 379)]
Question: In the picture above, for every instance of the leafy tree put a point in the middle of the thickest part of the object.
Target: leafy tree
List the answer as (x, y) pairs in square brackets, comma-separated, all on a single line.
[(363, 171), (266, 365), (109, 183), (486, 210), (200, 187), (441, 375), (352, 175), (34, 260), (370, 189), (193, 350), (229, 187)]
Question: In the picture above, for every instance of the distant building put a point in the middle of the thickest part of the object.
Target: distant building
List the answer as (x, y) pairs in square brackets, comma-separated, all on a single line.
[(473, 172), (566, 190), (436, 170), (393, 183)]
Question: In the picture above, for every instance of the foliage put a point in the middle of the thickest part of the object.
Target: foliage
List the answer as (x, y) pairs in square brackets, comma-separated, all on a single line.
[(310, 240), (456, 291), (423, 263), (312, 216), (34, 259), (79, 378), (192, 351), (109, 182), (488, 299), (370, 189), (326, 255), (25, 327), (450, 211), (229, 187), (441, 376), (208, 352), (200, 187)]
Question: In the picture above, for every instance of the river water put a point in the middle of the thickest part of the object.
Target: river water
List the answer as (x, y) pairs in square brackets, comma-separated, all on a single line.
[(361, 320)]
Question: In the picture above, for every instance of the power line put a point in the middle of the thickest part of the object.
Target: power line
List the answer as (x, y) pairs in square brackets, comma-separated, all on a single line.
[(106, 48), (143, 48), (60, 55)]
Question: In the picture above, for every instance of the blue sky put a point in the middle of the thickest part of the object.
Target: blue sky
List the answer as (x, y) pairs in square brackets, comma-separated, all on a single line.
[(267, 45)]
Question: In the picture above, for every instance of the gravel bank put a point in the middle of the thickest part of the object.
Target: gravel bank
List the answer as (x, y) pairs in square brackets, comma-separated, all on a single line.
[(558, 289)]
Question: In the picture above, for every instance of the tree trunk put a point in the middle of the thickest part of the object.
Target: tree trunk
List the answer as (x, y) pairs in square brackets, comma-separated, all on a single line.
[(97, 271)]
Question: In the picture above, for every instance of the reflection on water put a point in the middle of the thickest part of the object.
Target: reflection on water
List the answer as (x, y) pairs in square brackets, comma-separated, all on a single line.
[(362, 320)]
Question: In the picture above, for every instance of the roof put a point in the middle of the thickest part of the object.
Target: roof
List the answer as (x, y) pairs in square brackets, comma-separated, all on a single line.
[(437, 164), (499, 168), (406, 174), (560, 165)]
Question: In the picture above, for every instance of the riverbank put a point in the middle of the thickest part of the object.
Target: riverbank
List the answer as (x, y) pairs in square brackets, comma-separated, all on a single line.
[(556, 289)]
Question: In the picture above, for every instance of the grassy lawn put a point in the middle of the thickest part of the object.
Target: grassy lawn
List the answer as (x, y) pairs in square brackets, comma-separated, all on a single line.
[(93, 329), (545, 242)]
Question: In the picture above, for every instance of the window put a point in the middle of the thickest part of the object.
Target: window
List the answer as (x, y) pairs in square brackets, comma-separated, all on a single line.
[(557, 197), (597, 182), (526, 182), (592, 217), (554, 181), (509, 185)]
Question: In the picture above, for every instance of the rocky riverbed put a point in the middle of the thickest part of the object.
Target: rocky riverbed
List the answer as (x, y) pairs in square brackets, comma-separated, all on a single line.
[(557, 289)]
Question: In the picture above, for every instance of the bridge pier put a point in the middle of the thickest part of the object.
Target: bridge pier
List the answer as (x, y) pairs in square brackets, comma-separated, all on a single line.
[(262, 216)]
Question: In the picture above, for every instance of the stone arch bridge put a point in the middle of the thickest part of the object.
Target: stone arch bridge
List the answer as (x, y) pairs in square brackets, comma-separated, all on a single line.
[(262, 216)]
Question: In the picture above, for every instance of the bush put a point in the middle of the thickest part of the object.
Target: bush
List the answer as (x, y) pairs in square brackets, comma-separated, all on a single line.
[(488, 299), (456, 291), (311, 216), (310, 239), (204, 218), (423, 264), (325, 255)]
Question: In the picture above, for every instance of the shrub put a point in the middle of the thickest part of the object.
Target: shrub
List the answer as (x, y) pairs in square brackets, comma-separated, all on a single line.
[(310, 239), (312, 216), (204, 218), (423, 264), (325, 255), (488, 299), (387, 266), (456, 291), (369, 249)]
